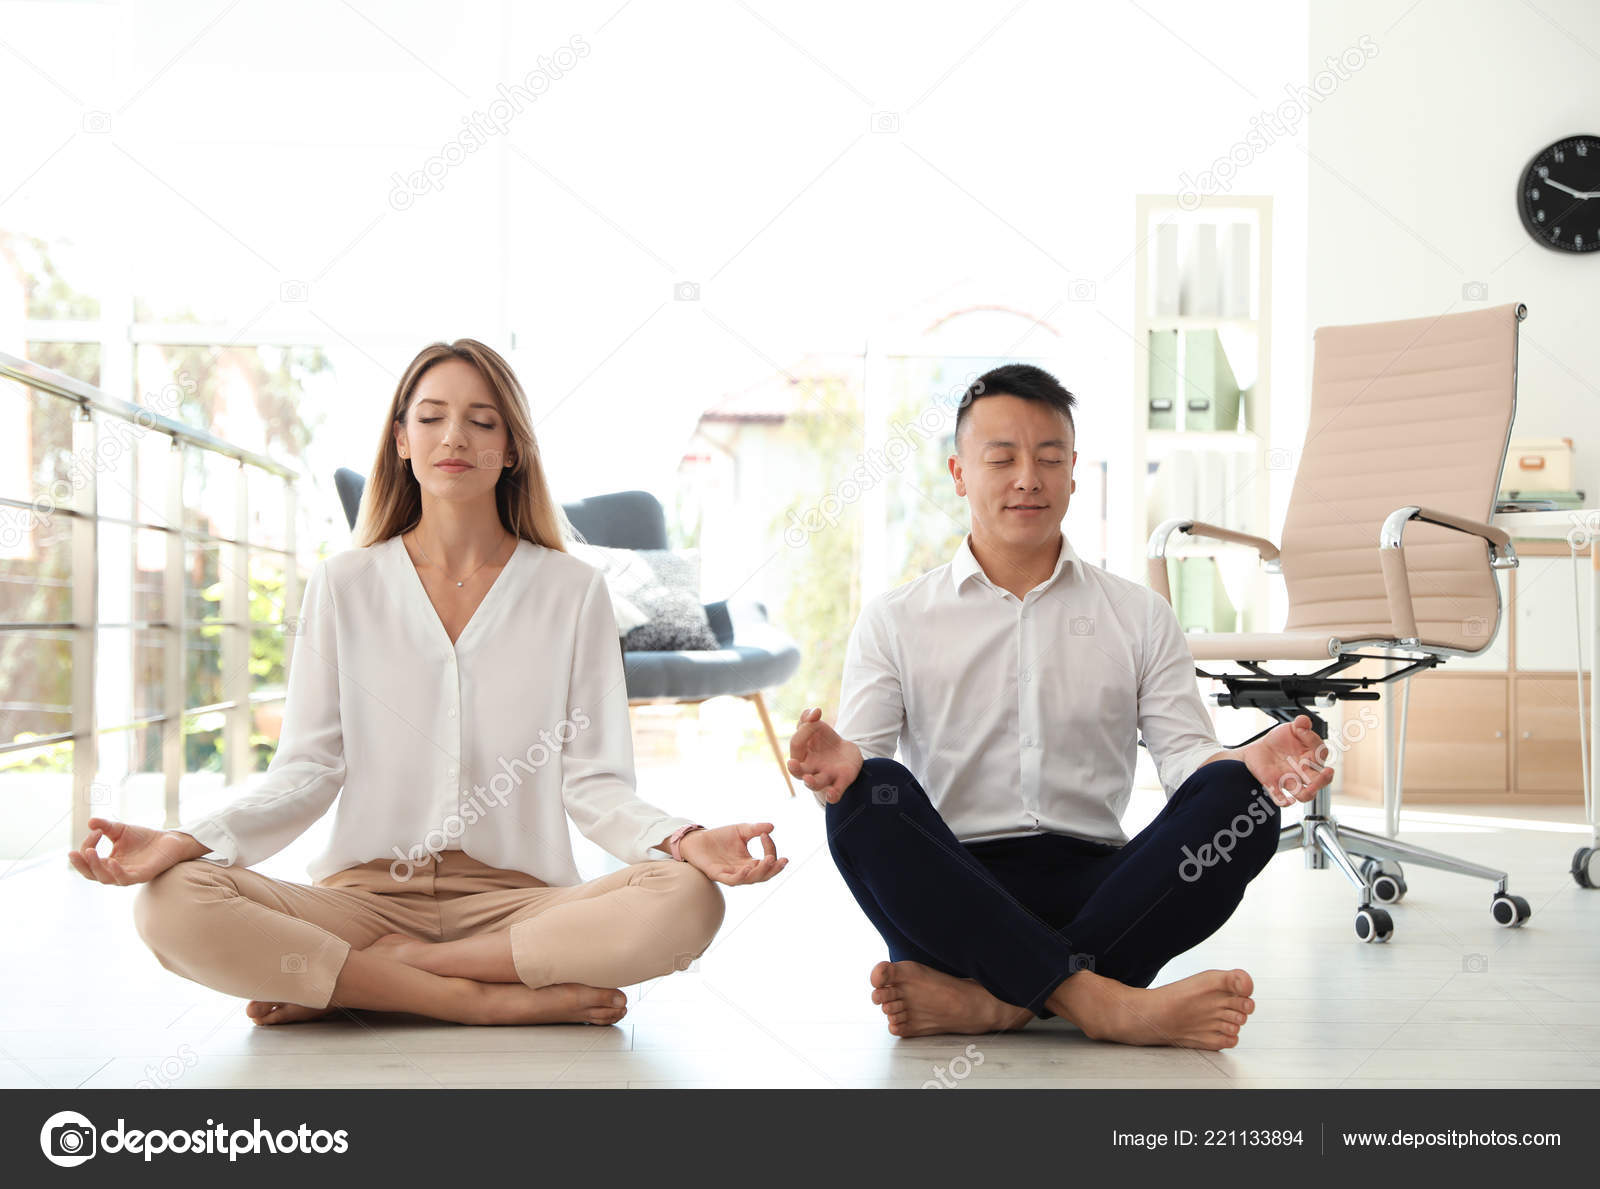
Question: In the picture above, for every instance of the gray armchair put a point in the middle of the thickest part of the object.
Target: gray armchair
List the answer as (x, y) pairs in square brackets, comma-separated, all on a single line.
[(754, 655)]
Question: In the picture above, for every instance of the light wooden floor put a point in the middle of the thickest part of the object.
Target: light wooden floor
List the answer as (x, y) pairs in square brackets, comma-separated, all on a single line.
[(781, 998)]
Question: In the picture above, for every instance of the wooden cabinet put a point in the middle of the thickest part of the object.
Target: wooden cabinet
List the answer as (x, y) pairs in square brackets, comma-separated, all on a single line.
[(1455, 734), (1500, 727), (1549, 754)]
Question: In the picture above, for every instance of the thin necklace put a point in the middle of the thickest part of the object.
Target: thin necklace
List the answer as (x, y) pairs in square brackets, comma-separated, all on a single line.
[(459, 582)]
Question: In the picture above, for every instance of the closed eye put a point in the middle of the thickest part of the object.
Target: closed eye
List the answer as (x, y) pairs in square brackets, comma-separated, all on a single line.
[(431, 420)]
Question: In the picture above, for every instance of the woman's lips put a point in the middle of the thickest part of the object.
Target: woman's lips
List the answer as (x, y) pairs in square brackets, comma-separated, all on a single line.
[(453, 466)]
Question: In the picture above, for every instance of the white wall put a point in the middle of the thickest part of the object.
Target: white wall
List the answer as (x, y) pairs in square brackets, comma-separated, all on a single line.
[(1414, 169), (731, 145)]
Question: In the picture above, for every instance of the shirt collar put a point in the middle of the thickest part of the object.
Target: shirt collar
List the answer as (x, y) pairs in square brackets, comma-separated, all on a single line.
[(964, 565)]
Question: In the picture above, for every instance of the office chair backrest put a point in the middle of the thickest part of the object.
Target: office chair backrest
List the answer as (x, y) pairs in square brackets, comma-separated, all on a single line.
[(1411, 412), (619, 519)]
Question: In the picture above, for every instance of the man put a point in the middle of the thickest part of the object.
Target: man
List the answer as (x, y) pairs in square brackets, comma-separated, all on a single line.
[(1015, 681)]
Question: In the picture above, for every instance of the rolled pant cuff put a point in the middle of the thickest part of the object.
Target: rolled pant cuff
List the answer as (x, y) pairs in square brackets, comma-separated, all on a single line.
[(533, 968), (321, 973)]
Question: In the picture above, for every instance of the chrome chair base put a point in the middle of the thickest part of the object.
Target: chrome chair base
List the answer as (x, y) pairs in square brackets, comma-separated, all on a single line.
[(1379, 877)]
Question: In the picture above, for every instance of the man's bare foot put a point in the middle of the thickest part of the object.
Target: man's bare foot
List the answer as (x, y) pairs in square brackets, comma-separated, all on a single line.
[(559, 1003), (921, 1001), (1203, 1011), (264, 1011)]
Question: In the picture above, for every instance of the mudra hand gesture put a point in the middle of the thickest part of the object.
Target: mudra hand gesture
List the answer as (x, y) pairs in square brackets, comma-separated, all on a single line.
[(1290, 761)]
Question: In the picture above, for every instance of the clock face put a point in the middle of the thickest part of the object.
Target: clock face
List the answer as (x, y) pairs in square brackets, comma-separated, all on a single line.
[(1559, 195)]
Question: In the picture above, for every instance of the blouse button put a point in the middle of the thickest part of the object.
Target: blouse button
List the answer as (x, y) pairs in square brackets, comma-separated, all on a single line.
[(452, 712)]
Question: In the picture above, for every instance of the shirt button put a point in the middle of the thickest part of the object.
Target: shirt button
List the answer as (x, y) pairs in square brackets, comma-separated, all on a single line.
[(1025, 678), (1027, 741), (452, 712), (452, 773)]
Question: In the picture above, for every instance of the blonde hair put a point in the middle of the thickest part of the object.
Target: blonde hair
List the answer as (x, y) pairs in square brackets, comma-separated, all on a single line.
[(391, 502)]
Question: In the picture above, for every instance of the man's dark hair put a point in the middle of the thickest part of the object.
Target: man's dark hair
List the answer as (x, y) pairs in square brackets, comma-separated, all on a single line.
[(1021, 380)]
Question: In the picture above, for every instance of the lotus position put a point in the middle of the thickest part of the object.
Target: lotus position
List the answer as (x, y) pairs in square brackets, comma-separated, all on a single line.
[(456, 694), (1015, 682)]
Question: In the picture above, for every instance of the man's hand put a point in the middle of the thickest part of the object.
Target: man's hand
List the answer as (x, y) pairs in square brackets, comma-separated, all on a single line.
[(819, 756), (1289, 761), (138, 853), (723, 854)]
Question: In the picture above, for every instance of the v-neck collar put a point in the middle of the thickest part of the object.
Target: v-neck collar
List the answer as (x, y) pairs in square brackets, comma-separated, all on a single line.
[(403, 558)]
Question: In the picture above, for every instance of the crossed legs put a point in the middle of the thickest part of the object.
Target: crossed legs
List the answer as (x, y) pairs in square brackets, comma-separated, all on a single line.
[(519, 956), (986, 937)]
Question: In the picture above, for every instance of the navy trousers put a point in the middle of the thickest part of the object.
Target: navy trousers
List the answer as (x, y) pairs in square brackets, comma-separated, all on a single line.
[(1020, 915)]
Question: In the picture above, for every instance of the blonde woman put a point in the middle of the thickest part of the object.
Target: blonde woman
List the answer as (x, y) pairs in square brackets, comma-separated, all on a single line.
[(456, 692)]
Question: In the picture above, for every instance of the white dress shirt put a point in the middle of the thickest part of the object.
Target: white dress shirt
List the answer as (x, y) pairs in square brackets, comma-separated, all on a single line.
[(483, 746), (1023, 716)]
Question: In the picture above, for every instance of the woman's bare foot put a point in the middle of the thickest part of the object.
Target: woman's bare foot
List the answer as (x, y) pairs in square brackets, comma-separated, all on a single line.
[(1203, 1011), (265, 1012), (559, 1003), (921, 1001)]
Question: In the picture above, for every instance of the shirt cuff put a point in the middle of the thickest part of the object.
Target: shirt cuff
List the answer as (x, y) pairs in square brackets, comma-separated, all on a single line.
[(224, 849), (657, 832), (1188, 765)]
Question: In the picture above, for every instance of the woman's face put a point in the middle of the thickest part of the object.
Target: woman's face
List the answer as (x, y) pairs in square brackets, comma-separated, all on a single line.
[(453, 435)]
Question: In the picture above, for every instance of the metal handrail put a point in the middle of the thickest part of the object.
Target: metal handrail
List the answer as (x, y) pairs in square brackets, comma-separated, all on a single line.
[(45, 379), (82, 515)]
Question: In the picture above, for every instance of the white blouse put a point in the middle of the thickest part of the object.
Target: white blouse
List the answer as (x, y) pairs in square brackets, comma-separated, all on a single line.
[(484, 746)]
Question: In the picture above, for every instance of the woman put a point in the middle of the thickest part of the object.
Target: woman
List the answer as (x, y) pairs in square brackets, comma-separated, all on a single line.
[(458, 678)]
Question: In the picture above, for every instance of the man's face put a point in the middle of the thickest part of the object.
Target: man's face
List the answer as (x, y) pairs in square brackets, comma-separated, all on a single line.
[(1013, 463)]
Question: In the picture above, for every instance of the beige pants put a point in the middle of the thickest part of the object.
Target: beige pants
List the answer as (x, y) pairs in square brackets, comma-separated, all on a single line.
[(245, 934)]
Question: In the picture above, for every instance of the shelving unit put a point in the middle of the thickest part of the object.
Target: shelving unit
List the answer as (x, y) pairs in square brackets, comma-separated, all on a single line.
[(1240, 458)]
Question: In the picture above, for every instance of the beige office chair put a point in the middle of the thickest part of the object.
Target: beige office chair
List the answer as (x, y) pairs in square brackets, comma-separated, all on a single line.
[(1409, 422)]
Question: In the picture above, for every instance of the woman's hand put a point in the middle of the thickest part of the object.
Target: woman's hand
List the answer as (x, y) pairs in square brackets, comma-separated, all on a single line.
[(723, 854), (827, 762), (138, 853)]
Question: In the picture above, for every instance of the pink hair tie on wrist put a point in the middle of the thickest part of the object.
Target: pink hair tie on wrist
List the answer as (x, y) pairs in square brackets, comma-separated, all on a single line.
[(677, 837)]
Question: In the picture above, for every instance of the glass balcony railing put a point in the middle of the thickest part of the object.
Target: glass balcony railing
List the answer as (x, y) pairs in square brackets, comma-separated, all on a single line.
[(146, 569)]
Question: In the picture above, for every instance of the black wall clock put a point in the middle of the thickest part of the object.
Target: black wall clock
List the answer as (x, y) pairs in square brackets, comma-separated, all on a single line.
[(1558, 196)]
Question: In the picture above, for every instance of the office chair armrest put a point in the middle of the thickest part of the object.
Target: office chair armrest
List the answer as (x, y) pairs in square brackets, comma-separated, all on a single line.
[(1156, 553), (1392, 556)]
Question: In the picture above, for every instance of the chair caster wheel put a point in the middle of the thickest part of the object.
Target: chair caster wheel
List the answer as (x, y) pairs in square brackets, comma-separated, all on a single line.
[(1584, 868), (1509, 910), (1388, 889), (1373, 924)]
